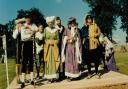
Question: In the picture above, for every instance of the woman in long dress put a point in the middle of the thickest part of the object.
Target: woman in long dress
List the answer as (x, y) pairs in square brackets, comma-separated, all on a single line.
[(51, 50), (71, 51)]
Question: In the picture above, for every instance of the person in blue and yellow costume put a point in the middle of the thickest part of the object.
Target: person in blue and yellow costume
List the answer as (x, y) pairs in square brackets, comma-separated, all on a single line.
[(90, 33)]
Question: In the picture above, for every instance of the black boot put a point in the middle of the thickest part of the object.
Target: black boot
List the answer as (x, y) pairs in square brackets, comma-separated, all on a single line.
[(22, 85), (32, 82), (69, 79)]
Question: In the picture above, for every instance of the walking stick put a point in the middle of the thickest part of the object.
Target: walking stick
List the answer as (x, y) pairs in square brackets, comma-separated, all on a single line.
[(18, 58), (34, 57), (5, 58)]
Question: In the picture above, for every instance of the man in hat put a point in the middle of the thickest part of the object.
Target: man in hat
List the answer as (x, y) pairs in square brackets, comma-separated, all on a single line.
[(19, 23), (27, 35), (90, 33)]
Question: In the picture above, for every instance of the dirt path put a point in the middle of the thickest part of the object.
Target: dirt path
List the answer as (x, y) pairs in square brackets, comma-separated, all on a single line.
[(110, 80)]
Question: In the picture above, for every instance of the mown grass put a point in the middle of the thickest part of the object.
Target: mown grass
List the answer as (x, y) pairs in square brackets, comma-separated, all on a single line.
[(122, 62), (11, 71)]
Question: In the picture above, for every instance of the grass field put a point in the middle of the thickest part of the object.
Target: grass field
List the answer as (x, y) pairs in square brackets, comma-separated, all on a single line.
[(122, 62), (121, 59), (11, 68)]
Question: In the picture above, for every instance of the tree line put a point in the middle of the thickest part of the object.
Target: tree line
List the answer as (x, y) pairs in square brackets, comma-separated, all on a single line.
[(106, 13)]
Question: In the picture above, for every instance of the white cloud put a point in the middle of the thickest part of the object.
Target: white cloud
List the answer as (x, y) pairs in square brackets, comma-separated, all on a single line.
[(58, 1)]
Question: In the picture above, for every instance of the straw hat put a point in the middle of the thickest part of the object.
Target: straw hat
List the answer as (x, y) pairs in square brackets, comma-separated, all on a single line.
[(20, 20)]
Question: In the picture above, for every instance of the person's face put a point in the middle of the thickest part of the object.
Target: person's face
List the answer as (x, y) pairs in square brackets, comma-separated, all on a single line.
[(89, 21), (28, 20), (58, 22), (73, 24), (69, 25), (41, 28), (51, 24)]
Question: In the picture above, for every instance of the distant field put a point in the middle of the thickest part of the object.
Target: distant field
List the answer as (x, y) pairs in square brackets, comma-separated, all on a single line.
[(122, 62), (121, 59)]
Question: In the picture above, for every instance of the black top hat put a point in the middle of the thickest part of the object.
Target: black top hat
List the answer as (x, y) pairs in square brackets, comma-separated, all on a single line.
[(89, 17), (57, 18)]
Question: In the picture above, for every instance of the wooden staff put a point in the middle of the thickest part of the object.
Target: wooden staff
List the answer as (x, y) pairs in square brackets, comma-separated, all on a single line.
[(34, 56), (5, 58)]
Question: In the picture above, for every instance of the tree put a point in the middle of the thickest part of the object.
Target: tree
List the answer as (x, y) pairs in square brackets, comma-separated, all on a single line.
[(35, 14), (37, 17), (105, 13), (7, 30), (2, 32), (22, 13), (124, 16)]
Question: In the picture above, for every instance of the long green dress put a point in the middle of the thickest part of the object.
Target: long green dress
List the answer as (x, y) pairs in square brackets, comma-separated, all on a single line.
[(51, 53)]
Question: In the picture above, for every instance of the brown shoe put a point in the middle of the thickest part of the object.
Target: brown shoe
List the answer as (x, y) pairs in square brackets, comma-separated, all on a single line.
[(98, 76), (89, 76)]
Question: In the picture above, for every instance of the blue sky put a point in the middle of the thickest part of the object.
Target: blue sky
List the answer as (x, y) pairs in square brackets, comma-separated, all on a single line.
[(62, 8)]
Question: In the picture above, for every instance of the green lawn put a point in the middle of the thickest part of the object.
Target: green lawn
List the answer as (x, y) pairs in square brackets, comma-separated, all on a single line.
[(11, 68), (122, 62), (121, 59)]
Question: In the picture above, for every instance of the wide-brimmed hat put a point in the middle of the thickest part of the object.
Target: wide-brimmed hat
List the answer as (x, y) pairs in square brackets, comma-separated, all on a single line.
[(20, 20), (72, 19)]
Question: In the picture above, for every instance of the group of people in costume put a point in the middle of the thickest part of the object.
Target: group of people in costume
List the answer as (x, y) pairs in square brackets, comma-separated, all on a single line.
[(58, 50)]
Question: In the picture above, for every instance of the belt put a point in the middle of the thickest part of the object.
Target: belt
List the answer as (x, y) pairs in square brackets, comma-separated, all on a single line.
[(51, 44)]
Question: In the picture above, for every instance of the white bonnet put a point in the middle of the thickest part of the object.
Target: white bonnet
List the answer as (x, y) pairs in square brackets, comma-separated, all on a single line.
[(50, 19)]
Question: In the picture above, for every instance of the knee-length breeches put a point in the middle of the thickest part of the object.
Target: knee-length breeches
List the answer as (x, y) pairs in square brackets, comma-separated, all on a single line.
[(27, 56)]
